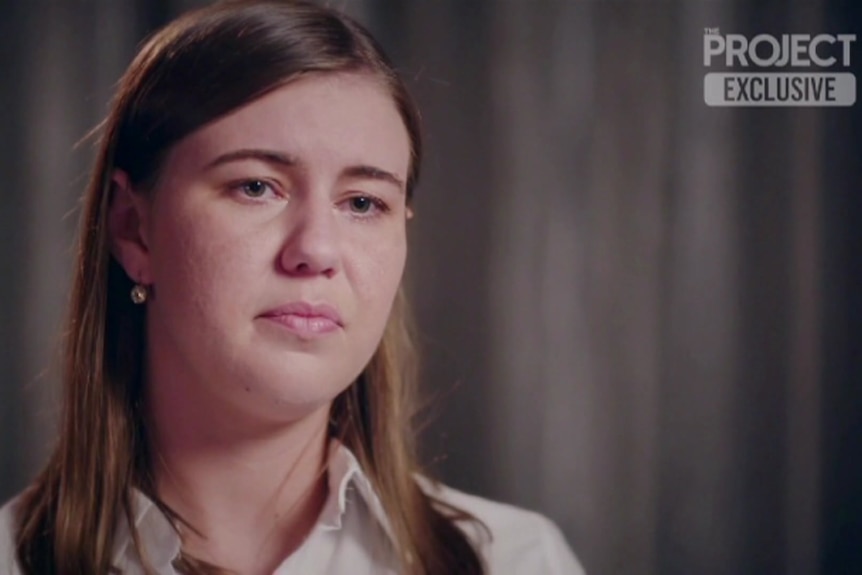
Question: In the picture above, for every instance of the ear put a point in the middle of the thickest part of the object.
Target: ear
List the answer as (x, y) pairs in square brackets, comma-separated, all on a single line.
[(128, 220)]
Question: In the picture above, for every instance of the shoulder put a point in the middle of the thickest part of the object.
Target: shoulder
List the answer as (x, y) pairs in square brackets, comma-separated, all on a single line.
[(8, 563), (517, 541)]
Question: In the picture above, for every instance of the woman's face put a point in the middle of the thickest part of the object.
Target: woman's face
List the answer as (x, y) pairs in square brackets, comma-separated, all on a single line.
[(275, 244)]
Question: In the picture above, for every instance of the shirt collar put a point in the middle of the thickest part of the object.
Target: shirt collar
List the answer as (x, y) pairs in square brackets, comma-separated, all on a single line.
[(162, 542), (155, 533)]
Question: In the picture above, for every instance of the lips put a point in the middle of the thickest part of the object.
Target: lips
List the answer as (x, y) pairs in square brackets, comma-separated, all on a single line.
[(306, 319)]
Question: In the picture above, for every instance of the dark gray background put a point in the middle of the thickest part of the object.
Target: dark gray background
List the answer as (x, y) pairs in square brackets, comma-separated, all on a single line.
[(640, 315)]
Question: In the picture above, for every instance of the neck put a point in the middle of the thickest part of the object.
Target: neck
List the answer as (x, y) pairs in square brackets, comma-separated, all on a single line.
[(248, 492)]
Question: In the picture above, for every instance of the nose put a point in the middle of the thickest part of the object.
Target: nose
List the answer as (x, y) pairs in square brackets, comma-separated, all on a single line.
[(311, 247)]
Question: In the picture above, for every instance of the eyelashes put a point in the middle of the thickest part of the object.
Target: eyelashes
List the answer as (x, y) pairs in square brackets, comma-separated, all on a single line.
[(366, 205), (262, 191), (254, 189)]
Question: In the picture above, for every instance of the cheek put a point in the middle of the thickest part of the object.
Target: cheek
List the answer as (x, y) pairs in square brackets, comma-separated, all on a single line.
[(378, 273), (178, 257), (197, 263)]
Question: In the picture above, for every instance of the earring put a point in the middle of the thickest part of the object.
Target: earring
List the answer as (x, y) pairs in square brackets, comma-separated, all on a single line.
[(139, 294)]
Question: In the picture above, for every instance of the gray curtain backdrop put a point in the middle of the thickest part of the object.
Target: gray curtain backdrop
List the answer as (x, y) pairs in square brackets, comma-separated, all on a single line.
[(633, 306)]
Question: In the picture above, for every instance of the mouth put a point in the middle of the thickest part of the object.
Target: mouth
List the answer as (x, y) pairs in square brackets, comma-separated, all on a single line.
[(305, 319)]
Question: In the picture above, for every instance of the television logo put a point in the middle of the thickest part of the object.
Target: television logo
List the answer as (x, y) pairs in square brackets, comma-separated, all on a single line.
[(786, 88)]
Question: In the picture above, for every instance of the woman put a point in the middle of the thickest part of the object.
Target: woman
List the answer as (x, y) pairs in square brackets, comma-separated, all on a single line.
[(238, 389)]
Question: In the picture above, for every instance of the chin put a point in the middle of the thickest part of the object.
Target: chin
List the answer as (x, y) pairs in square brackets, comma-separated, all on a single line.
[(293, 393)]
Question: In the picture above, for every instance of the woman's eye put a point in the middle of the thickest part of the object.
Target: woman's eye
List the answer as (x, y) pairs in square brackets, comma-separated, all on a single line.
[(364, 205), (360, 204), (254, 188)]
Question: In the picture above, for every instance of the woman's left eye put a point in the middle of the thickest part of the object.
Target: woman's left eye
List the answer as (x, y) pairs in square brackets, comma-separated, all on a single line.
[(363, 205)]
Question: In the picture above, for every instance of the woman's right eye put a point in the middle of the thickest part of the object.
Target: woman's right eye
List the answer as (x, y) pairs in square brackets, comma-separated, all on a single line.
[(255, 189)]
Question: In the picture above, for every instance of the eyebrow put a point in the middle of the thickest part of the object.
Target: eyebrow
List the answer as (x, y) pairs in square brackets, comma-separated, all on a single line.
[(287, 161), (268, 156), (372, 173)]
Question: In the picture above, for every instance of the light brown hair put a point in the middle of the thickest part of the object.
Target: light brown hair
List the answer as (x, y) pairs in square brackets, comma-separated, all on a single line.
[(195, 70)]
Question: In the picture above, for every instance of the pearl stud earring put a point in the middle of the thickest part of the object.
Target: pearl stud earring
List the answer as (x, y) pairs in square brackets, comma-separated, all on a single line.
[(139, 294)]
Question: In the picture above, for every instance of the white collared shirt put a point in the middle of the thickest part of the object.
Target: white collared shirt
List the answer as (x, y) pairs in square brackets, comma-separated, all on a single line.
[(352, 534)]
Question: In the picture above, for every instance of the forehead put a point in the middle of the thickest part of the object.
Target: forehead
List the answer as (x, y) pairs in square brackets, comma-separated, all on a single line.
[(320, 119)]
